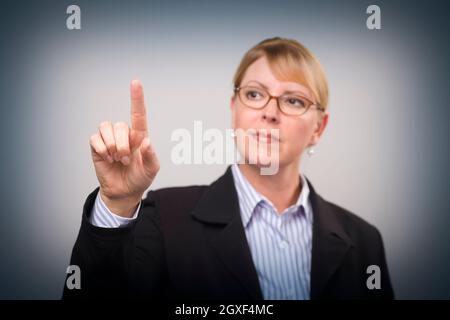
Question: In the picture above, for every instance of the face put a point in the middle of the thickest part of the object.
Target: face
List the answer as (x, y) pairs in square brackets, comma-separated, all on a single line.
[(296, 133)]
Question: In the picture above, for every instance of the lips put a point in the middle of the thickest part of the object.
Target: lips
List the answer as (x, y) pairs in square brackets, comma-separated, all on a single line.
[(265, 136)]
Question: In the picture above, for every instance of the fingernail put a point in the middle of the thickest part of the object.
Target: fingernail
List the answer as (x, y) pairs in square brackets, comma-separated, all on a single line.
[(126, 160), (109, 159), (116, 157)]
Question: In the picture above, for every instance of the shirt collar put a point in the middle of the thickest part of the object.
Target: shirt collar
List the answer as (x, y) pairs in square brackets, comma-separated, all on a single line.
[(249, 198)]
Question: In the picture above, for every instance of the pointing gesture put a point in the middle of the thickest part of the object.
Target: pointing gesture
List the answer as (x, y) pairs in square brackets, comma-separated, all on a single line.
[(138, 114), (124, 160)]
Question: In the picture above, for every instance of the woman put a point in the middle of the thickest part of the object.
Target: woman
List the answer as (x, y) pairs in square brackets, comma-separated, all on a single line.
[(248, 235)]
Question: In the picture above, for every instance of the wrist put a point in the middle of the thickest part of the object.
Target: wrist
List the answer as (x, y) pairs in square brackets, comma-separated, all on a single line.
[(124, 206)]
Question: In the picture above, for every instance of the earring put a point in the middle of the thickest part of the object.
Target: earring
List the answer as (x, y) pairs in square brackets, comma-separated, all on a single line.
[(310, 151)]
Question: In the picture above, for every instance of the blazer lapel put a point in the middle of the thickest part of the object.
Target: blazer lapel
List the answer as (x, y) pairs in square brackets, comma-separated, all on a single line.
[(218, 210), (330, 244)]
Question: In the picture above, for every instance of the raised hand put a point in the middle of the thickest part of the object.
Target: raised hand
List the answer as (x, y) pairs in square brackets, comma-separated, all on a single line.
[(124, 160)]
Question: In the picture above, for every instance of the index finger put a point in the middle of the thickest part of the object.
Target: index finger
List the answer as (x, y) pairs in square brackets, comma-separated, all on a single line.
[(138, 114)]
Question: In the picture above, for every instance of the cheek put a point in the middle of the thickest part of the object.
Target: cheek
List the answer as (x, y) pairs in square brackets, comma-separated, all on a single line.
[(298, 134), (245, 118)]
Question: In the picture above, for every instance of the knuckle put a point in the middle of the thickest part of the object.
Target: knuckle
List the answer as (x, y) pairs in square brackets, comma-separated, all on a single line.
[(123, 150), (111, 146), (101, 150), (121, 125), (92, 139), (104, 124), (95, 140)]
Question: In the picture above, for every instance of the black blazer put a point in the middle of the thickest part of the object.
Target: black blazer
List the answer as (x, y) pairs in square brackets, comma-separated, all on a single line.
[(189, 242)]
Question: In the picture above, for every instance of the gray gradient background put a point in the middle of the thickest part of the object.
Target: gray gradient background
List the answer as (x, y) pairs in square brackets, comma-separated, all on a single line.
[(383, 156)]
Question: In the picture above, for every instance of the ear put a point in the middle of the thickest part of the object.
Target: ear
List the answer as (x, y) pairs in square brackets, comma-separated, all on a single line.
[(319, 129)]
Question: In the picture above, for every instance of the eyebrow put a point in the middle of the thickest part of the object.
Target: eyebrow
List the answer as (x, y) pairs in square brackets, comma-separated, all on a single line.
[(284, 92)]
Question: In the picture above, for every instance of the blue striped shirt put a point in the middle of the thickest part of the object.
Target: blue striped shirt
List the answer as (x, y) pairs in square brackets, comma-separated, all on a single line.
[(280, 244), (102, 217)]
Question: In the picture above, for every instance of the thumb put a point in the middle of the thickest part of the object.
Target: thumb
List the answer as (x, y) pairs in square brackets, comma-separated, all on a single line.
[(149, 159)]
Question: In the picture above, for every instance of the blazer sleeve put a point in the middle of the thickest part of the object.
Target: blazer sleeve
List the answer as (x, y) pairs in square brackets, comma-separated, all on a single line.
[(120, 262)]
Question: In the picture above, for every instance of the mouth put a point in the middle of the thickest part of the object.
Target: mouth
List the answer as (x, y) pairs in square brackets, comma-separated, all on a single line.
[(266, 136)]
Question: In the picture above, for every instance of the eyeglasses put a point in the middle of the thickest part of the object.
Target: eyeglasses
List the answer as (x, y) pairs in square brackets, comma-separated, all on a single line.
[(292, 104)]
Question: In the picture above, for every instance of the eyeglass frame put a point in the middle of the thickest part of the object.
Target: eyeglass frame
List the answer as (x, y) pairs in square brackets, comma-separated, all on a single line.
[(317, 105)]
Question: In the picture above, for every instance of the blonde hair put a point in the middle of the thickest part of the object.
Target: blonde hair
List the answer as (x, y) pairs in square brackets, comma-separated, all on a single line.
[(289, 61)]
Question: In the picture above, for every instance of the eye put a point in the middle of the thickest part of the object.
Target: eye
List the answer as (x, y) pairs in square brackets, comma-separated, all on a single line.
[(295, 102), (254, 94)]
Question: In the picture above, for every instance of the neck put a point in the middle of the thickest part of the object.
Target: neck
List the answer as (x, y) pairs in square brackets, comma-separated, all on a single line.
[(282, 188)]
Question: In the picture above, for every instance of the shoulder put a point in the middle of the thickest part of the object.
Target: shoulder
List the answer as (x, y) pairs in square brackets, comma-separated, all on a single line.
[(335, 217), (359, 231), (350, 219)]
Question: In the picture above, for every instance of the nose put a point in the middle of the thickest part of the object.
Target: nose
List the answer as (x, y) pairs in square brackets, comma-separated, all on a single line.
[(271, 113)]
